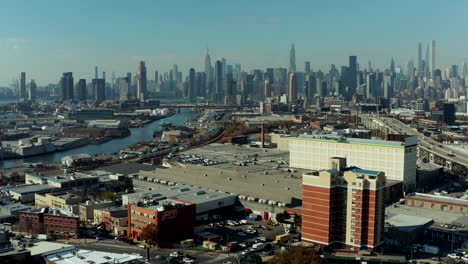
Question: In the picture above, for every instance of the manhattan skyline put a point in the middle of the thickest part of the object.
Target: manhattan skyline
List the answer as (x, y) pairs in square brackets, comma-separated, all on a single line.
[(74, 37)]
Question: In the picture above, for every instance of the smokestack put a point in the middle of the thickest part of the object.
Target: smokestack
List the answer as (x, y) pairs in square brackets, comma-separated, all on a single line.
[(263, 135)]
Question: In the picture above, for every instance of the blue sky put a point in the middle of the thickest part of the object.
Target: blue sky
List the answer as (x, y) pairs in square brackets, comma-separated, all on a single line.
[(46, 38)]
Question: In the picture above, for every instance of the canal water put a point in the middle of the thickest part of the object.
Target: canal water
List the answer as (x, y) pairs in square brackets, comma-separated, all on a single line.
[(137, 134)]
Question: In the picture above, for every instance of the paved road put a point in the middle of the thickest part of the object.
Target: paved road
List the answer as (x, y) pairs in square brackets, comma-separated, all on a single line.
[(425, 142), (110, 245)]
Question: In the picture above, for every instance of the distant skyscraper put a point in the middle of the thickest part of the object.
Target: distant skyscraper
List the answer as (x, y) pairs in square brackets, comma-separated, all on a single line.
[(426, 68), (267, 88), (228, 88), (237, 72), (124, 88), (66, 84), (420, 57), (96, 75), (22, 86), (392, 66), (388, 86), (410, 70), (433, 64), (223, 65), (99, 88), (32, 91), (191, 85), (200, 84), (307, 67), (141, 80), (208, 67), (292, 59), (352, 76), (292, 87), (81, 90), (218, 81)]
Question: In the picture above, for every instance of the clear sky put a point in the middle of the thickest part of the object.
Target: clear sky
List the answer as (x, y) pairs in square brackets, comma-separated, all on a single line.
[(46, 38)]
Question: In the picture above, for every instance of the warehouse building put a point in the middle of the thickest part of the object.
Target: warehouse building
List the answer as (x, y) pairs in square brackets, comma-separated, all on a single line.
[(396, 158)]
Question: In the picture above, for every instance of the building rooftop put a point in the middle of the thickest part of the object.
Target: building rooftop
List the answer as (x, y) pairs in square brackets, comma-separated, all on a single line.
[(440, 198), (370, 172), (162, 205), (191, 194), (88, 256), (64, 177), (253, 172), (407, 222), (126, 168), (45, 248), (29, 188), (409, 141)]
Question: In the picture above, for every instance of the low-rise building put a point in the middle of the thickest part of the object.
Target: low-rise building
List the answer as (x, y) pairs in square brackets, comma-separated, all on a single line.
[(86, 210), (69, 160), (81, 256), (49, 221), (438, 203), (25, 192), (62, 201), (174, 219)]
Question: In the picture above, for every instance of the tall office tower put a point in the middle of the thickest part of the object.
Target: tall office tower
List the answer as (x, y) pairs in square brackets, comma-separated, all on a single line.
[(308, 85), (22, 86), (81, 90), (218, 82), (223, 65), (410, 70), (392, 66), (465, 70), (131, 86), (104, 75), (229, 69), (267, 88), (208, 67), (292, 87), (99, 90), (228, 88), (124, 88), (370, 85), (32, 91), (96, 75), (307, 67), (191, 85), (369, 67), (141, 81), (420, 69), (454, 71), (433, 64), (156, 77), (343, 206), (200, 84), (352, 76), (237, 72), (426, 66), (292, 59), (208, 76), (269, 75), (66, 84), (388, 86)]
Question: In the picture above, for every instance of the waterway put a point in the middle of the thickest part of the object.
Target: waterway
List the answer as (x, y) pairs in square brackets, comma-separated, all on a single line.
[(137, 134)]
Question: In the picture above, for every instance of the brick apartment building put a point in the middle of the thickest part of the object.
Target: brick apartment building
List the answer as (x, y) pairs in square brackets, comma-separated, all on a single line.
[(47, 221), (173, 218), (343, 207)]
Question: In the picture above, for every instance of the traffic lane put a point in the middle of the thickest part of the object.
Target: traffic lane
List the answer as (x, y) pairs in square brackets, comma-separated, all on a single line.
[(115, 246)]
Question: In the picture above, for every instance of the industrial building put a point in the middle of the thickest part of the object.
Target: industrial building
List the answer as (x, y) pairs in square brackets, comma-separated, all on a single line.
[(174, 219), (48, 221), (205, 200), (343, 207), (396, 158)]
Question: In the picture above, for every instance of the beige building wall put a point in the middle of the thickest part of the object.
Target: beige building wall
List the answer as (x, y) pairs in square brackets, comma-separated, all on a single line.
[(281, 140), (397, 162)]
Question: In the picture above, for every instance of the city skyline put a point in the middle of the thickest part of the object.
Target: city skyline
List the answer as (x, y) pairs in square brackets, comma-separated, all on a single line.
[(45, 50)]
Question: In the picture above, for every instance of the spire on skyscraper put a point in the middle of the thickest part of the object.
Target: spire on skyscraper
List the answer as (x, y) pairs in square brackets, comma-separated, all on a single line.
[(292, 59)]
